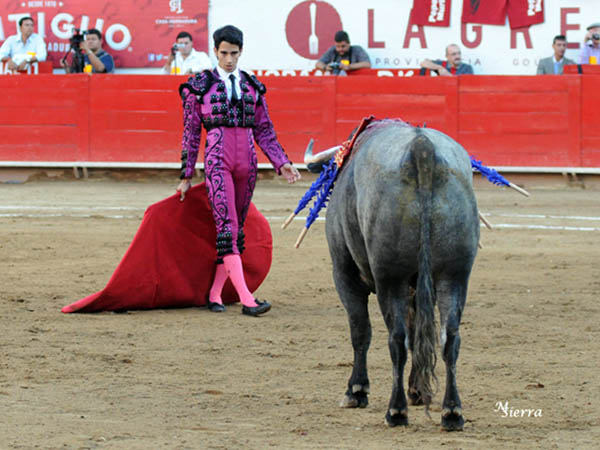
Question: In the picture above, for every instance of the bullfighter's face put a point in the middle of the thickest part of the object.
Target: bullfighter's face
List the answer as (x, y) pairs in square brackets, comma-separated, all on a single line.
[(228, 54)]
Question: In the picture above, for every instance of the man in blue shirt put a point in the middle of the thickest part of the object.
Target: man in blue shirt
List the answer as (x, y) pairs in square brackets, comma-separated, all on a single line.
[(95, 60)]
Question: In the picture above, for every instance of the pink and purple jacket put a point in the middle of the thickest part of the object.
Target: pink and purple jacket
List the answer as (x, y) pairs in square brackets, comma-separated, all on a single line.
[(205, 104)]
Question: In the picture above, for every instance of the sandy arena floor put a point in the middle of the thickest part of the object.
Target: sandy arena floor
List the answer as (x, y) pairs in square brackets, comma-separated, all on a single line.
[(190, 379)]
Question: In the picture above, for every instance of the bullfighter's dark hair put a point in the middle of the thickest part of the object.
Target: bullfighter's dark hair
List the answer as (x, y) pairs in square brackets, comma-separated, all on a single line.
[(184, 34), (23, 19), (230, 34), (341, 36)]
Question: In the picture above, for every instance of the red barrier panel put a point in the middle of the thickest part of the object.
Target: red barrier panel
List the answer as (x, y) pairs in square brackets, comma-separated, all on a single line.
[(302, 108), (504, 120), (587, 69), (520, 120), (416, 100), (590, 130), (139, 118), (44, 118)]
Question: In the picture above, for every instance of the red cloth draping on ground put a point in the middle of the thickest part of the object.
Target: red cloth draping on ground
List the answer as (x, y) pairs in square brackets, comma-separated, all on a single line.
[(171, 260)]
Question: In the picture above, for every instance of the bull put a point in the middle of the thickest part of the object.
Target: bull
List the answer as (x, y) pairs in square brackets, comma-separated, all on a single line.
[(402, 223)]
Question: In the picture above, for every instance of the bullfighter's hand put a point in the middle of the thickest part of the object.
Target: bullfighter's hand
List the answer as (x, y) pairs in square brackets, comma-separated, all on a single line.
[(183, 187), (290, 173)]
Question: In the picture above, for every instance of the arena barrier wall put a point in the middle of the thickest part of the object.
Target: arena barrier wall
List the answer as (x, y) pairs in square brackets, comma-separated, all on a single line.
[(520, 121)]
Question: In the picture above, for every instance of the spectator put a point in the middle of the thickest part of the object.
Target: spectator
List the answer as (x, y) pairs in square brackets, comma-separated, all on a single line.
[(183, 59), (95, 60), (452, 65), (24, 48), (553, 65), (590, 53), (343, 57)]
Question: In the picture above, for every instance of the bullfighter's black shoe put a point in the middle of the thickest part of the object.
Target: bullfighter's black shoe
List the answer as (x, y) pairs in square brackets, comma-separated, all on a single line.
[(261, 308), (215, 307)]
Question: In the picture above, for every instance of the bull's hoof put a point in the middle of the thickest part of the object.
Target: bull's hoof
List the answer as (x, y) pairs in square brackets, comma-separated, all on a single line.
[(357, 398), (395, 418), (452, 420), (415, 397)]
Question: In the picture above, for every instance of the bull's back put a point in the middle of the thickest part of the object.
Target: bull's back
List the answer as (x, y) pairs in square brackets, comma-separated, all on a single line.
[(385, 207)]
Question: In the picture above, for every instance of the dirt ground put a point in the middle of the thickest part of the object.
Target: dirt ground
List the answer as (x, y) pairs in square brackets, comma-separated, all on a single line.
[(191, 379)]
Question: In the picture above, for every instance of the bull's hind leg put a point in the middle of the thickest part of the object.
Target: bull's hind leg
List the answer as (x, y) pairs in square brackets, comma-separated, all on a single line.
[(393, 301), (451, 294), (354, 295)]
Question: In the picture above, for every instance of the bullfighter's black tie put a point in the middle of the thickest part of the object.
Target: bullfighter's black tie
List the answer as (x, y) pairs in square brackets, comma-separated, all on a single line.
[(234, 96)]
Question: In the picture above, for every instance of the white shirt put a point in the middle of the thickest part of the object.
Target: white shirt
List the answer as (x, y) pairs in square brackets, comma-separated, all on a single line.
[(195, 62), (225, 77), (14, 47)]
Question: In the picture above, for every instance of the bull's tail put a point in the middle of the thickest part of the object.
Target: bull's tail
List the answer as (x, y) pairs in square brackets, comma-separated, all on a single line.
[(424, 349)]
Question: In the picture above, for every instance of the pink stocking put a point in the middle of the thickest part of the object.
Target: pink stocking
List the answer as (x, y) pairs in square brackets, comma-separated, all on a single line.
[(218, 283), (233, 266)]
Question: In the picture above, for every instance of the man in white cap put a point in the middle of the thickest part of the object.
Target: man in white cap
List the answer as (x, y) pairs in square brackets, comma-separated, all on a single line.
[(590, 52)]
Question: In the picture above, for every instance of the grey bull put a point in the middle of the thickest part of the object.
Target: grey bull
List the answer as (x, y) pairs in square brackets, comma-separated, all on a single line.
[(402, 223)]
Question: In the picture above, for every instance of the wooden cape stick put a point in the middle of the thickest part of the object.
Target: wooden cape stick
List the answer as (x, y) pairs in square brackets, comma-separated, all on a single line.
[(301, 237), (305, 230), (518, 189), (288, 221), (485, 221), (310, 158)]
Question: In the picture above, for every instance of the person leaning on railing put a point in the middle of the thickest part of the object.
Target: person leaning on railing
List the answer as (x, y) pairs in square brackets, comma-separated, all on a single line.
[(24, 48), (453, 64), (343, 57)]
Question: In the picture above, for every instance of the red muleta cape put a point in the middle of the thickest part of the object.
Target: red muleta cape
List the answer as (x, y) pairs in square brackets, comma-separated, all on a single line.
[(171, 261)]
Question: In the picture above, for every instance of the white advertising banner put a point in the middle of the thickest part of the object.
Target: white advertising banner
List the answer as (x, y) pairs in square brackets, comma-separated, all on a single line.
[(293, 34)]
